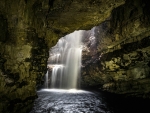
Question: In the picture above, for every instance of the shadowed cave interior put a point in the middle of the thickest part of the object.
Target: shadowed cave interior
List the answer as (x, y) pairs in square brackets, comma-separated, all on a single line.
[(113, 71)]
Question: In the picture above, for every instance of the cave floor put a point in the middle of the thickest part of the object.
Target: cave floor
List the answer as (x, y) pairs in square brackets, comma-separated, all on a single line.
[(80, 101)]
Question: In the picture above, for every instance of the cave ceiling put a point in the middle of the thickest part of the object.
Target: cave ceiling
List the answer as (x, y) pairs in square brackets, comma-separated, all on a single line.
[(76, 14), (62, 17), (53, 19)]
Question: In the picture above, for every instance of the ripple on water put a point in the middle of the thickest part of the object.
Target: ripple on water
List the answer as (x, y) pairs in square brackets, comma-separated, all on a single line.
[(81, 101), (68, 101)]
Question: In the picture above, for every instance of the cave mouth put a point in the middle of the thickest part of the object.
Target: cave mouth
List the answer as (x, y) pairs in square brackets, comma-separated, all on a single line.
[(65, 59)]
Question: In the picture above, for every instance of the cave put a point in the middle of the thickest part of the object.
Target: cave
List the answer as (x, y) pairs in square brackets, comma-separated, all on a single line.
[(114, 74)]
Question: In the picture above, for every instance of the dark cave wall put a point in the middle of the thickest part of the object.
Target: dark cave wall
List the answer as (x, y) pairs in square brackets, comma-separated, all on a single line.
[(23, 64), (23, 56), (124, 52)]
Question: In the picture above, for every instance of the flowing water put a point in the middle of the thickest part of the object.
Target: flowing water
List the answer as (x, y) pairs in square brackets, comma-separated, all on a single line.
[(65, 62), (46, 80), (80, 101), (67, 101)]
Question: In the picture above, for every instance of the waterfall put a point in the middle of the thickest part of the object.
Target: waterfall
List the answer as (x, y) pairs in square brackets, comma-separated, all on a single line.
[(46, 79), (65, 61), (56, 77)]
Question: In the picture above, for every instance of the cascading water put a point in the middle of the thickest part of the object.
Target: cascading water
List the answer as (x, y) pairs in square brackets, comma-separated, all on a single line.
[(46, 81), (65, 61), (56, 76)]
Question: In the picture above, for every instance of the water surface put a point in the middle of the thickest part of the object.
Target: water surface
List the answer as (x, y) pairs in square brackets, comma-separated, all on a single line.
[(80, 101)]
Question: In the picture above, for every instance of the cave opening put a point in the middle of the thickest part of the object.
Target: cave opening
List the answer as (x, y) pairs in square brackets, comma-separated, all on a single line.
[(65, 63)]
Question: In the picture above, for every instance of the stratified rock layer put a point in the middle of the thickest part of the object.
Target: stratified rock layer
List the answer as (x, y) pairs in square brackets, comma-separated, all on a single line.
[(123, 62)]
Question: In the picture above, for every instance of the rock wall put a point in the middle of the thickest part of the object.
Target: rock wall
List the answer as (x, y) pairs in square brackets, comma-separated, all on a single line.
[(23, 58), (123, 51), (21, 69)]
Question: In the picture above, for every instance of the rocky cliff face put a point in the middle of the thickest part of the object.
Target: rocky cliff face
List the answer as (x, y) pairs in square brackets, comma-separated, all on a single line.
[(28, 28), (22, 65), (23, 57), (123, 53)]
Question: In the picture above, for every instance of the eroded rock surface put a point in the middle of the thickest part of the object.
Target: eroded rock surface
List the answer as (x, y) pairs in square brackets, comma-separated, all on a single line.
[(122, 64)]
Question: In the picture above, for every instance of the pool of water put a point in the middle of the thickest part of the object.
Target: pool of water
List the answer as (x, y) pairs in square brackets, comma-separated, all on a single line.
[(80, 101)]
